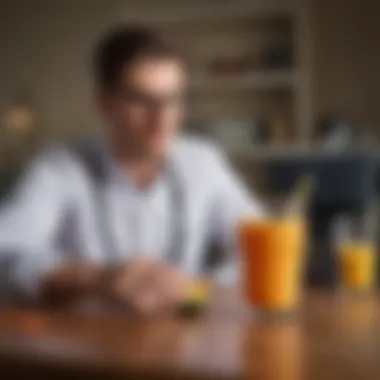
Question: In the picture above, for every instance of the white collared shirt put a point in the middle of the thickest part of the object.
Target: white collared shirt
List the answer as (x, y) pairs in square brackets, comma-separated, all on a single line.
[(54, 213)]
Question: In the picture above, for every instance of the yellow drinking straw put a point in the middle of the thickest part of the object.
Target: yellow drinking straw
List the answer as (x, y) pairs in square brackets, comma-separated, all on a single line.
[(300, 195)]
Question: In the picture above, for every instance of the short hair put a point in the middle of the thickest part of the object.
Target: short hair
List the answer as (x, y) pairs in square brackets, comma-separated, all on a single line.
[(124, 45)]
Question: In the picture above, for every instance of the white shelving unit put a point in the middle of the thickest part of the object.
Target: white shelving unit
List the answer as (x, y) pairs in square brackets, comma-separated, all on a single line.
[(243, 29)]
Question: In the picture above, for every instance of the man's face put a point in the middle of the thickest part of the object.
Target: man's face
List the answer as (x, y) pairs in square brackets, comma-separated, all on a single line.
[(144, 110)]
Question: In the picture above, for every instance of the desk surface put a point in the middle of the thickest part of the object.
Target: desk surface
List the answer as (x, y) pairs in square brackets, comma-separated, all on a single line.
[(334, 337)]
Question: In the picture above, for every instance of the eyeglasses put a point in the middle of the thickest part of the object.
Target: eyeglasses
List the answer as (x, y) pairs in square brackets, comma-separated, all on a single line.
[(150, 101)]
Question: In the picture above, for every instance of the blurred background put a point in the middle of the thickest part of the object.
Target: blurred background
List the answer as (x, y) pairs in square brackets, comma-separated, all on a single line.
[(288, 87)]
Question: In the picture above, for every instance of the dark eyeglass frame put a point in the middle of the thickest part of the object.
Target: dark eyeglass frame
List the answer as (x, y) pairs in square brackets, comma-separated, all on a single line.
[(149, 101)]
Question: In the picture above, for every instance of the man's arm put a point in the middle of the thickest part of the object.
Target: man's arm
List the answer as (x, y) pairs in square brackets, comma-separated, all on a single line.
[(29, 222), (232, 202)]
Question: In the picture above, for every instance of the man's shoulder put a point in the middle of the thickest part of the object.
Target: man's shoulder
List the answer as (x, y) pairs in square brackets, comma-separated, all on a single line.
[(66, 154)]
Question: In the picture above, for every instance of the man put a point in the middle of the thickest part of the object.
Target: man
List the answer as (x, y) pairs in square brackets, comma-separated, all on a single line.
[(128, 215)]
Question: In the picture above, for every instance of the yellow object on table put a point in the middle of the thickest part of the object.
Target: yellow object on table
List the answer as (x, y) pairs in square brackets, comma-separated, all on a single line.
[(197, 297), (198, 291), (356, 262)]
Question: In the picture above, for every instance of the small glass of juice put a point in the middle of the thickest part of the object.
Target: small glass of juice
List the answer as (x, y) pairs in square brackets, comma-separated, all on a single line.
[(355, 253)]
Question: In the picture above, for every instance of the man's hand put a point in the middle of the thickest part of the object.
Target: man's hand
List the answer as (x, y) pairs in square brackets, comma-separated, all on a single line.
[(146, 286), (143, 286)]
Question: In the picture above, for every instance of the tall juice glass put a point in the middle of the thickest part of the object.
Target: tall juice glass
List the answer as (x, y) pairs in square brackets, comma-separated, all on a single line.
[(273, 257), (355, 253)]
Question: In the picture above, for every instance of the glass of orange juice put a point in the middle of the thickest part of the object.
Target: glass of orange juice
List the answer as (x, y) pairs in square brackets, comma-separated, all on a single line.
[(356, 253), (272, 261)]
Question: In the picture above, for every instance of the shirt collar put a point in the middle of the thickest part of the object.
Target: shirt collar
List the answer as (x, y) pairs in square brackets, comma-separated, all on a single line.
[(112, 168)]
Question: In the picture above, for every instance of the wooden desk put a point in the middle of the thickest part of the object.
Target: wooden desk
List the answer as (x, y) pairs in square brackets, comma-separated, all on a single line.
[(335, 337)]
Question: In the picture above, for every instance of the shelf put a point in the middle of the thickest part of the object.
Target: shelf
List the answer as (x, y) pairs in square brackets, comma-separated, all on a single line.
[(264, 80), (262, 152), (200, 11), (293, 151)]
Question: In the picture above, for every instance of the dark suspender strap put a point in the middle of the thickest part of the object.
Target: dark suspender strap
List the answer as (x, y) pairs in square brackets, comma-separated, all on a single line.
[(177, 197), (94, 165)]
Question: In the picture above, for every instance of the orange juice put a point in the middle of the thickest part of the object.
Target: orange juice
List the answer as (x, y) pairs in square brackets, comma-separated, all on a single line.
[(356, 262), (272, 261)]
